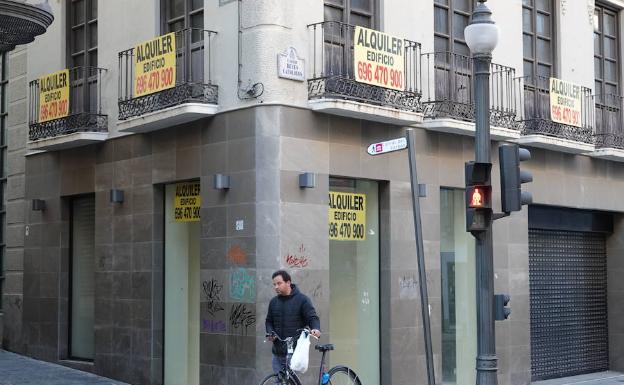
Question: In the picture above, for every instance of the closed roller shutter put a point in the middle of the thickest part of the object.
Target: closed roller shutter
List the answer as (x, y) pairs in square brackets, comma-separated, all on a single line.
[(568, 294)]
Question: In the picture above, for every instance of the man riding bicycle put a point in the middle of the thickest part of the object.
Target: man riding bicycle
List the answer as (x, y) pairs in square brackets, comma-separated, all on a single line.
[(289, 311)]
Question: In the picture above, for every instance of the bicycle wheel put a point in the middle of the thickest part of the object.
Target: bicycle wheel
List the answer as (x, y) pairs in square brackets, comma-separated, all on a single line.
[(275, 379), (342, 375)]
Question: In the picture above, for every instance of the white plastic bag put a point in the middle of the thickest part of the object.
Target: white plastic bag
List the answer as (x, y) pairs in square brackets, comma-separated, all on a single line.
[(299, 360)]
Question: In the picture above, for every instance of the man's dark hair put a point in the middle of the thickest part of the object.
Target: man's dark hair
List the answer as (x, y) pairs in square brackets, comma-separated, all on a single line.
[(284, 274)]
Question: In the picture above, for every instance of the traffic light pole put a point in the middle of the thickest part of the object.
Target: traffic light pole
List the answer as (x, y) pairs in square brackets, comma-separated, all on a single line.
[(486, 343)]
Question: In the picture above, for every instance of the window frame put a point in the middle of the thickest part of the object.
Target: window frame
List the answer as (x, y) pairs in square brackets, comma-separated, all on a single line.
[(534, 38), (450, 13), (602, 7), (188, 12), (4, 82), (86, 24), (347, 10)]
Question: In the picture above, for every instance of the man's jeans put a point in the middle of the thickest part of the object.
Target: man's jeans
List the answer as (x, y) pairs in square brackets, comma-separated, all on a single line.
[(279, 362)]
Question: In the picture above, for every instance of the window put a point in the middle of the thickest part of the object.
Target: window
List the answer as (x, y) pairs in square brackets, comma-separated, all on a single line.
[(340, 15), (83, 33), (354, 295), (537, 39), (82, 55), (354, 12), (458, 280), (450, 19), (181, 14), (82, 278), (606, 74), (4, 81), (606, 52)]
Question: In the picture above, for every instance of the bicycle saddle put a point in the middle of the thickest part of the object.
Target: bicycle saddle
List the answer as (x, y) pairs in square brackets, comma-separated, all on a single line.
[(324, 348)]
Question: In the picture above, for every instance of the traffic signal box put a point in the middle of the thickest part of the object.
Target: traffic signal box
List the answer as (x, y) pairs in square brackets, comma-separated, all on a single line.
[(478, 196), (512, 177)]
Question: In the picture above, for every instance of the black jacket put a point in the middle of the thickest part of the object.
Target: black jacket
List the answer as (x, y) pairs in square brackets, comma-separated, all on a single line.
[(286, 314)]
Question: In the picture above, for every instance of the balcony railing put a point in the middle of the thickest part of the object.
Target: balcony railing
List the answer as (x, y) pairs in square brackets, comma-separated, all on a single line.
[(449, 87), (609, 132), (84, 109), (536, 118), (332, 70), (193, 77)]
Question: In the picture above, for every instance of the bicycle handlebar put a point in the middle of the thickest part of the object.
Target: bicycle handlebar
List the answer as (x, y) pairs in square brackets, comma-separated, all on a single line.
[(288, 339)]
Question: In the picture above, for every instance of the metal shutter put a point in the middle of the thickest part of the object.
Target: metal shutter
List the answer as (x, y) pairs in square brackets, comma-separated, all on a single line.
[(568, 296)]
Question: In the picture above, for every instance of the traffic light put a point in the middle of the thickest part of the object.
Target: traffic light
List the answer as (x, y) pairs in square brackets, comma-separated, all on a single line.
[(501, 311), (478, 196), (512, 196)]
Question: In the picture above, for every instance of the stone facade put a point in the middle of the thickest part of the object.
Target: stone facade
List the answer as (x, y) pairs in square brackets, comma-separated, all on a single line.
[(263, 147)]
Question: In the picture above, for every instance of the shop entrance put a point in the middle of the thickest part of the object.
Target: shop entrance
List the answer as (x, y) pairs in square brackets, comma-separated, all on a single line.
[(181, 307), (568, 291), (354, 276)]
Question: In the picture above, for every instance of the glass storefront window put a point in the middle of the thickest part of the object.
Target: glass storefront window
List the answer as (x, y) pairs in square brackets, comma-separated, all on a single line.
[(459, 313), (182, 288), (82, 337), (354, 278)]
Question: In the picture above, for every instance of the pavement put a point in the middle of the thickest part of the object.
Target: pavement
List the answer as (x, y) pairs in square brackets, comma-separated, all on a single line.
[(600, 378), (20, 370)]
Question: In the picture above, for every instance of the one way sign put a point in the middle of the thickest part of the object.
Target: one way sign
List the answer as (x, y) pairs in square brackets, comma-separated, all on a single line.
[(387, 146)]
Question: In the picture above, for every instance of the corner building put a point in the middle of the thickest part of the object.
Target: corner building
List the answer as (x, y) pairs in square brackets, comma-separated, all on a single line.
[(143, 221)]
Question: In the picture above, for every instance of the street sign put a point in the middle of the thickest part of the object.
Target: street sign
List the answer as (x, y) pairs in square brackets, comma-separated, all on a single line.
[(387, 146)]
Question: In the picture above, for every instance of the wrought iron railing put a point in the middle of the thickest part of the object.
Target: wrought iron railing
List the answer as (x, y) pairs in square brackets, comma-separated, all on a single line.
[(84, 108), (609, 132), (332, 72), (193, 81), (448, 86), (536, 116)]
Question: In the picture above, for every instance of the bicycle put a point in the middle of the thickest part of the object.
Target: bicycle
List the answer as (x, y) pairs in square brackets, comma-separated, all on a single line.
[(338, 375)]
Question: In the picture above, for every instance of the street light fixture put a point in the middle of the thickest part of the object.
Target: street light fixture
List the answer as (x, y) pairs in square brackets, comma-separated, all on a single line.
[(482, 36)]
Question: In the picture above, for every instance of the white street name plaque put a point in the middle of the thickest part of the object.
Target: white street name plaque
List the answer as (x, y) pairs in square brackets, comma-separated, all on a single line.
[(387, 146)]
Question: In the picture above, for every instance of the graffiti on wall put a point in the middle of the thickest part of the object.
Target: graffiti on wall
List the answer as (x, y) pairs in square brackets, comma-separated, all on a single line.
[(237, 255), (408, 287), (212, 290), (242, 285), (299, 259), (242, 317), (213, 326)]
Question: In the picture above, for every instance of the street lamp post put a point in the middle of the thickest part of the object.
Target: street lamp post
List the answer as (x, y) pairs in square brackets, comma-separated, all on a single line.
[(482, 36)]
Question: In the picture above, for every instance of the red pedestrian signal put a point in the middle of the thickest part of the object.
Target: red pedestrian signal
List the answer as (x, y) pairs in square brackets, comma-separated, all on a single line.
[(477, 198)]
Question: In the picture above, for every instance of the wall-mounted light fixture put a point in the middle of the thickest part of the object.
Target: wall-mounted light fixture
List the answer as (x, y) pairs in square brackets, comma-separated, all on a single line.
[(221, 182), (38, 204), (307, 180), (116, 196)]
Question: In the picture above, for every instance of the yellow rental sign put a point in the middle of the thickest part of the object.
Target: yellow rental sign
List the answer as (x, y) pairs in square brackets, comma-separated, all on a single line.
[(187, 202), (347, 216), (155, 65), (54, 96), (378, 59), (565, 102)]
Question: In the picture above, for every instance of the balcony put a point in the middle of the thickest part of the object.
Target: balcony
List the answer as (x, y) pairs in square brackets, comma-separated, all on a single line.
[(191, 96), (539, 130), (609, 133), (449, 102), (74, 120), (333, 88)]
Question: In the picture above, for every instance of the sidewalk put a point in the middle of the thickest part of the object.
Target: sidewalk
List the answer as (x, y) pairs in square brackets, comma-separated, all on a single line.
[(600, 378), (20, 370)]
